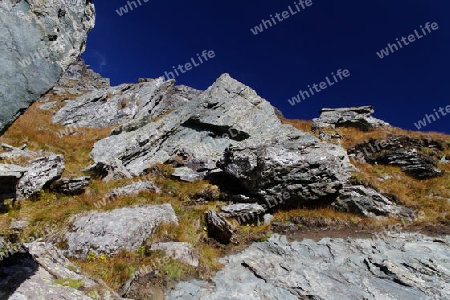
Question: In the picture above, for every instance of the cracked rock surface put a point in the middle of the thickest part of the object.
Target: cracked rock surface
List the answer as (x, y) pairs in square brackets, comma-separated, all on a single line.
[(396, 266)]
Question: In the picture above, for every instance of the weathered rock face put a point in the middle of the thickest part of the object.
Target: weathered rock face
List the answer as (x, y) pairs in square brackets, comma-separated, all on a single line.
[(111, 232), (404, 152), (289, 171), (398, 266), (79, 76), (37, 170), (136, 104), (40, 174), (358, 117), (40, 39), (42, 272)]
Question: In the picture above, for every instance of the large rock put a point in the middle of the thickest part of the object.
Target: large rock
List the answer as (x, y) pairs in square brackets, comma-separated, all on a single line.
[(39, 40), (113, 231), (40, 174), (194, 135), (290, 170), (395, 266), (42, 272), (358, 117)]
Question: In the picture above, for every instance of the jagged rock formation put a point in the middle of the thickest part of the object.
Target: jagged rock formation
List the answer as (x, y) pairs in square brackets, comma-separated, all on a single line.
[(40, 173), (40, 39), (111, 232), (263, 155), (134, 103), (40, 271), (80, 76), (404, 152), (394, 266), (37, 170), (358, 117)]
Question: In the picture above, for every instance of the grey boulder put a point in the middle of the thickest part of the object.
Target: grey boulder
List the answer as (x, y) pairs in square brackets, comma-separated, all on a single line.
[(113, 231), (40, 173), (358, 117), (40, 39)]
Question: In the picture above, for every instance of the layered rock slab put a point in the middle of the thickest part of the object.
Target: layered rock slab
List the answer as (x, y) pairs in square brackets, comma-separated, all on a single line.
[(358, 117), (111, 232), (40, 39), (397, 266)]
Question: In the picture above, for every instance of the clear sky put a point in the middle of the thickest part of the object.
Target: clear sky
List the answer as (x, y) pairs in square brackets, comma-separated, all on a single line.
[(298, 51)]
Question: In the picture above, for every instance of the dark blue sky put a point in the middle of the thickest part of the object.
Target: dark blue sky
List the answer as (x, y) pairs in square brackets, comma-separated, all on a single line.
[(297, 52)]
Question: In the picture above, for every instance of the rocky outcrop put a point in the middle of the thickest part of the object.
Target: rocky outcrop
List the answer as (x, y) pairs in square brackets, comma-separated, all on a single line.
[(110, 232), (394, 266), (230, 128), (37, 171), (416, 157), (196, 134), (81, 77), (71, 186), (40, 174), (219, 228), (358, 117), (40, 39), (42, 272), (136, 104)]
